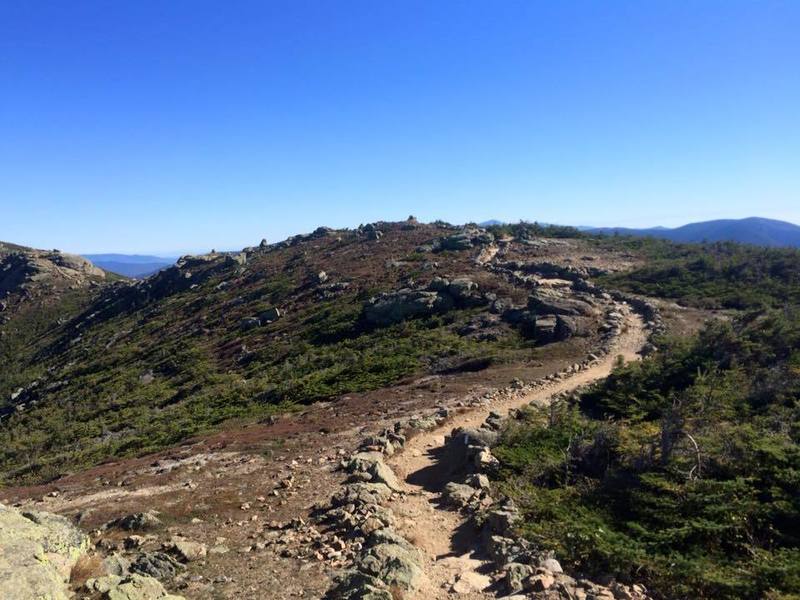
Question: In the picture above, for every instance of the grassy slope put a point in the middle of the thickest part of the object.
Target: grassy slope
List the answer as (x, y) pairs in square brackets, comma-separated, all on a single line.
[(207, 370)]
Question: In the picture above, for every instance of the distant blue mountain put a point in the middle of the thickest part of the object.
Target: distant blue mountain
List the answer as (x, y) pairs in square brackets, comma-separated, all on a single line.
[(130, 265), (753, 230)]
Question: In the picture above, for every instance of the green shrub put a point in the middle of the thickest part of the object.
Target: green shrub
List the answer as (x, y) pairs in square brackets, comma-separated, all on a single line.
[(681, 470)]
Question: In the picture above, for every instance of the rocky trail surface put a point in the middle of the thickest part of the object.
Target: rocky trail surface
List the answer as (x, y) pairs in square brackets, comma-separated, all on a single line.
[(454, 563)]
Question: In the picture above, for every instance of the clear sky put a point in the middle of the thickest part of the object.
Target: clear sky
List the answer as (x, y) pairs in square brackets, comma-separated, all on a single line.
[(173, 125)]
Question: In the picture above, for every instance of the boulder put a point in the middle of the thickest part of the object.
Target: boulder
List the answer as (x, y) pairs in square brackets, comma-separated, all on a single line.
[(479, 481), (458, 241), (552, 565), (387, 309), (439, 284), (185, 550), (484, 460), (504, 550), (423, 423), (522, 319), (551, 302), (515, 575), (373, 464), (386, 535), (394, 565), (465, 239), (190, 261), (321, 232), (465, 292), (546, 328), (470, 582), (102, 585), (37, 553), (540, 582), (458, 495), (237, 258), (566, 327), (440, 296), (461, 287), (76, 263), (134, 587), (269, 315), (156, 564), (361, 493), (248, 323), (355, 585), (475, 437), (136, 522), (116, 564)]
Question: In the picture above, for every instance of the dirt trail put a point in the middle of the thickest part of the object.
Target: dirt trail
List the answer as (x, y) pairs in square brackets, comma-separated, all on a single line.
[(449, 547)]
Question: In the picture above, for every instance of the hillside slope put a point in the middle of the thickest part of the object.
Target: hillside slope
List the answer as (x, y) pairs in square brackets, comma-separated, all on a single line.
[(39, 291), (214, 404), (245, 335)]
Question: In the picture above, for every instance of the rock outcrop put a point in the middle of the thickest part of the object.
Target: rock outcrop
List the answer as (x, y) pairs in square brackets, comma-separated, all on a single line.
[(27, 270), (37, 553), (464, 240), (550, 302), (439, 296), (142, 521)]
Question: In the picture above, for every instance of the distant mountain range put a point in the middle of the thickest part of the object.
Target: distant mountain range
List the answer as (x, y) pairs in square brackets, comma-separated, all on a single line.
[(130, 265), (753, 230)]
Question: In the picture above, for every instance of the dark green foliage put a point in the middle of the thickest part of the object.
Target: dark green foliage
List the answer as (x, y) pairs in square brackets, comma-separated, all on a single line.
[(682, 470), (29, 326), (524, 229), (718, 275)]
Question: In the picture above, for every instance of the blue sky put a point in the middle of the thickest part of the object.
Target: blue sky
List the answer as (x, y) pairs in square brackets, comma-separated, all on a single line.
[(155, 126)]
